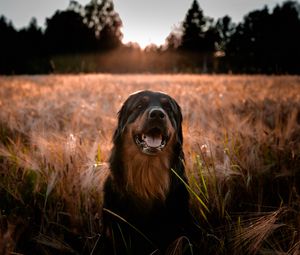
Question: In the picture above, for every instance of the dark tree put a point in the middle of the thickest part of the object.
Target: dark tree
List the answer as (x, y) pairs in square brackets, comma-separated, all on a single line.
[(8, 44), (31, 39), (211, 38), (109, 38), (198, 34), (193, 29), (198, 40), (173, 41), (76, 7), (250, 40), (285, 28), (66, 32), (267, 42), (101, 17), (22, 51), (7, 32), (31, 50), (225, 29)]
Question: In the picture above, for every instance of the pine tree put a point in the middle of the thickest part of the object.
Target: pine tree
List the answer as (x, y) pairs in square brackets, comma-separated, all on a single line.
[(194, 28), (225, 29)]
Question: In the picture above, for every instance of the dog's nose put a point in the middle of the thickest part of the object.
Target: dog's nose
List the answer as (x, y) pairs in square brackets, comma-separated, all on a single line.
[(156, 113)]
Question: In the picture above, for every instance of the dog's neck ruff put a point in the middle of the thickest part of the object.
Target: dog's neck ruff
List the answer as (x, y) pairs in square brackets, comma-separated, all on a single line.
[(147, 177)]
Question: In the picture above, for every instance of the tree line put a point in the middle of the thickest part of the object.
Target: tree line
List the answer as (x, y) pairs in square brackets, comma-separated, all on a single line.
[(89, 39)]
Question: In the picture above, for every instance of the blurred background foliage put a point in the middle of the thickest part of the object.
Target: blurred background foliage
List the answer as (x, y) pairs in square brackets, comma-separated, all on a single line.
[(89, 39)]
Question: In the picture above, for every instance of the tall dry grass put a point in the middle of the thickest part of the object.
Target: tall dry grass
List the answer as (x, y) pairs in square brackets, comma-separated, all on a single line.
[(241, 141)]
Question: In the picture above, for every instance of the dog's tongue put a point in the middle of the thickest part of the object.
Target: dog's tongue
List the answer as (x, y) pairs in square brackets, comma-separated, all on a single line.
[(152, 141)]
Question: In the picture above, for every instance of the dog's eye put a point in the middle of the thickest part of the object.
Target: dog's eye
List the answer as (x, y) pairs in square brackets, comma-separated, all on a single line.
[(142, 103), (167, 107), (166, 104), (139, 107)]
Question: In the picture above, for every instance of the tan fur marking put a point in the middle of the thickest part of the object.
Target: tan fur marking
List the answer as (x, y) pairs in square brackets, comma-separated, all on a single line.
[(147, 176)]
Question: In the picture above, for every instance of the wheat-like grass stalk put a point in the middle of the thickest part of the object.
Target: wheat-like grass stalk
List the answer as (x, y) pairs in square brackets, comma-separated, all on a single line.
[(241, 141)]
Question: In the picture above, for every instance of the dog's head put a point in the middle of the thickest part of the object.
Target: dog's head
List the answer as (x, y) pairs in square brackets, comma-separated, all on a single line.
[(150, 120)]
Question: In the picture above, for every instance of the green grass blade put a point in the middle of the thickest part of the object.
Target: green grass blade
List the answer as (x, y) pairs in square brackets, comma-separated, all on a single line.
[(192, 192)]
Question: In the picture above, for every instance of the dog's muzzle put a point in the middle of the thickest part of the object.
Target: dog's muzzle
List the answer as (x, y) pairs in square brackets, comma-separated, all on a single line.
[(154, 135)]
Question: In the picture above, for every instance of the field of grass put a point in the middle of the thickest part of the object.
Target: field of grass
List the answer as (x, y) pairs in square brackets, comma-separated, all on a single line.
[(241, 143)]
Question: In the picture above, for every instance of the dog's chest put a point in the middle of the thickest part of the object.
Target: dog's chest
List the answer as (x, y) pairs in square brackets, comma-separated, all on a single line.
[(148, 179)]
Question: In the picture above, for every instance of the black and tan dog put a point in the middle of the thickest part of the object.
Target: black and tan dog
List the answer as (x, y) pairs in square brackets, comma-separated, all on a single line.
[(145, 204)]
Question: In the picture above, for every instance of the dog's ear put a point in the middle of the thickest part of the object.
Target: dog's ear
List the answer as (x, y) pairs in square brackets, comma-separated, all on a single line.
[(178, 120), (179, 123), (123, 115), (178, 162), (121, 122)]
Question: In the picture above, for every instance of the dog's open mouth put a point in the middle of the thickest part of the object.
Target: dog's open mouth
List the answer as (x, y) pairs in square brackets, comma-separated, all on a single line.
[(151, 141)]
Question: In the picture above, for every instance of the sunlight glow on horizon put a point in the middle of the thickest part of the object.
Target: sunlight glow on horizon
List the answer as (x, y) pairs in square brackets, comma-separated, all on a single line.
[(144, 22), (140, 39), (150, 22)]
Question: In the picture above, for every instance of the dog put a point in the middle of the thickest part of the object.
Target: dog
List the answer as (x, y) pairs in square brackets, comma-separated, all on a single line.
[(146, 201)]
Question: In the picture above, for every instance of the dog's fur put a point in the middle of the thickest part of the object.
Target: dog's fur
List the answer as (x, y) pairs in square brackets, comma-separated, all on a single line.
[(145, 204)]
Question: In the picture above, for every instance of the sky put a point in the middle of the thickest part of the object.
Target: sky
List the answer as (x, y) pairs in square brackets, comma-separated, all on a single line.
[(144, 21)]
